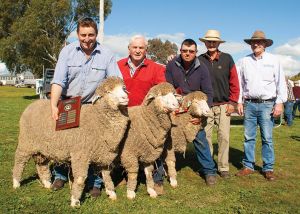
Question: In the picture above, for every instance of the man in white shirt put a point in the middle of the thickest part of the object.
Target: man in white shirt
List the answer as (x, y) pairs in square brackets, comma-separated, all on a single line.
[(263, 92)]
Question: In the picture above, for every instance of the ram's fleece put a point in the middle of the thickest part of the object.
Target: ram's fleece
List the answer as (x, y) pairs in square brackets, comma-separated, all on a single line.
[(149, 127), (96, 140), (194, 105)]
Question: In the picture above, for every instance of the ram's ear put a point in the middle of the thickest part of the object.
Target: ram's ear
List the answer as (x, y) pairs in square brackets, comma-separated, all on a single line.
[(149, 98)]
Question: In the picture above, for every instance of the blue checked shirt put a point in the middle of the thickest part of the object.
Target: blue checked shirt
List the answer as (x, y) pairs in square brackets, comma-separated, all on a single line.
[(79, 76)]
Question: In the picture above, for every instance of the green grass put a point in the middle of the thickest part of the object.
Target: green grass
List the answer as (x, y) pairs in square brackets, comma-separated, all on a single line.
[(251, 194)]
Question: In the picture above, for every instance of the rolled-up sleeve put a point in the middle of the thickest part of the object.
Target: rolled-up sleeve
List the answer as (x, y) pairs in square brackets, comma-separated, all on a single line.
[(61, 69)]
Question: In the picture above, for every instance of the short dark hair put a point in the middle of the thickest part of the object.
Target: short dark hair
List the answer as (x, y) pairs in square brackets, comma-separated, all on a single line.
[(189, 42), (87, 22)]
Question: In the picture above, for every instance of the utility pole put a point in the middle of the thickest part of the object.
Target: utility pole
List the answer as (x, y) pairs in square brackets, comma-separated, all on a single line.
[(101, 21)]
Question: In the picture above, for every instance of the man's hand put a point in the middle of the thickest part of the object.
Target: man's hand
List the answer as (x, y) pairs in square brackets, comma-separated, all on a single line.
[(54, 112), (195, 121), (229, 109), (170, 57), (277, 110), (240, 108)]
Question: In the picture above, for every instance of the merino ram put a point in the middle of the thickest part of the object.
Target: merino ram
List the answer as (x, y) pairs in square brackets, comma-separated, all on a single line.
[(96, 140), (149, 127), (194, 105)]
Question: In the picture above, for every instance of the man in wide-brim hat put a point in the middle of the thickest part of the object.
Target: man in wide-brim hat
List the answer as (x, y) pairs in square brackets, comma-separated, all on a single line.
[(212, 35), (263, 92), (259, 36), (226, 89)]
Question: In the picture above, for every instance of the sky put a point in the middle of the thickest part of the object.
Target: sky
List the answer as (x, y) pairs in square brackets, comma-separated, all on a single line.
[(176, 20)]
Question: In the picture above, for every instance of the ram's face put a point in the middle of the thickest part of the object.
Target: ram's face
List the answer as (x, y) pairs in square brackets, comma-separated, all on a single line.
[(200, 108), (119, 95), (168, 102)]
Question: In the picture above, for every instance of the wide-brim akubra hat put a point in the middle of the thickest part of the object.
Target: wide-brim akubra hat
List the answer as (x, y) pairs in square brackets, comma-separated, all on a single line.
[(212, 35), (259, 35)]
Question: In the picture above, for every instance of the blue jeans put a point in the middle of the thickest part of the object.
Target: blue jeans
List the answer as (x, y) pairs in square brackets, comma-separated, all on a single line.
[(159, 172), (296, 105), (288, 112), (203, 154), (61, 172), (259, 114)]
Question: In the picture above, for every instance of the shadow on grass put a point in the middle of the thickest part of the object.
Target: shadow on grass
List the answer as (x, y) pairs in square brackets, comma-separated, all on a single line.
[(295, 137), (34, 97), (29, 179)]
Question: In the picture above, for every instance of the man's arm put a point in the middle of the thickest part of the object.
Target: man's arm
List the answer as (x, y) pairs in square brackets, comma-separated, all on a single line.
[(113, 68), (59, 81), (206, 84), (239, 68), (55, 95)]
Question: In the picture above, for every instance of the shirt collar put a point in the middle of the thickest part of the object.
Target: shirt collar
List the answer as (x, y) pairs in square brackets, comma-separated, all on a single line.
[(145, 62), (258, 58), (179, 62), (96, 49), (207, 56)]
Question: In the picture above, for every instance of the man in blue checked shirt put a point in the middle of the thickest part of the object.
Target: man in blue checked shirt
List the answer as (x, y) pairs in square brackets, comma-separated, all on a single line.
[(80, 68)]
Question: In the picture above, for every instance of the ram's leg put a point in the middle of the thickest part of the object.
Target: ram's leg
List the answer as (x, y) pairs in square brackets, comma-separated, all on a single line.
[(80, 170), (172, 173), (109, 185), (43, 171), (21, 158), (131, 164), (149, 181), (171, 165), (131, 184)]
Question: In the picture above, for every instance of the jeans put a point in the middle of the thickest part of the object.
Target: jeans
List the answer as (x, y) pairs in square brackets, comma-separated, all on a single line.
[(61, 172), (203, 154), (288, 112), (159, 172), (296, 105), (259, 114)]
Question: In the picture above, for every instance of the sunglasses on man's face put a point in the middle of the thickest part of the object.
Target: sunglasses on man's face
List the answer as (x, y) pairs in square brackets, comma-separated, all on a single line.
[(190, 51)]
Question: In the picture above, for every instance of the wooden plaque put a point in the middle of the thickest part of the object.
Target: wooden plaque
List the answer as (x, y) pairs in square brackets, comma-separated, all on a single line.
[(68, 113)]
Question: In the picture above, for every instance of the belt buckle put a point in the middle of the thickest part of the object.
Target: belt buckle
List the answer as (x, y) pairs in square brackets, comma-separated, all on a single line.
[(259, 100)]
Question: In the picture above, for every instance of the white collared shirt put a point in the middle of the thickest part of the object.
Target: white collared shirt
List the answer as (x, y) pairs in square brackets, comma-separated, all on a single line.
[(261, 78)]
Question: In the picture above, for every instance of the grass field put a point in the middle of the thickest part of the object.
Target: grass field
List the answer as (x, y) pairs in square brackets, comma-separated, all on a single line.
[(251, 194)]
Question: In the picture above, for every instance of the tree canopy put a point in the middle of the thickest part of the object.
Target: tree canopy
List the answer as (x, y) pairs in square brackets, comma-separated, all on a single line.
[(32, 32), (159, 51)]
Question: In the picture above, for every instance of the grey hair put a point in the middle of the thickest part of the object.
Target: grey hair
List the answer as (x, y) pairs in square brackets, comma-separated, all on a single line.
[(138, 36)]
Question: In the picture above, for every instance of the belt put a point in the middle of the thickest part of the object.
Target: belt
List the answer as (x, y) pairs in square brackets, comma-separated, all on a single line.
[(260, 100)]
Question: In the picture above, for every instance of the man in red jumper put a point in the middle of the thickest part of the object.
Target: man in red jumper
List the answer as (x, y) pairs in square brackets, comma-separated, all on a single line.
[(140, 74), (226, 89)]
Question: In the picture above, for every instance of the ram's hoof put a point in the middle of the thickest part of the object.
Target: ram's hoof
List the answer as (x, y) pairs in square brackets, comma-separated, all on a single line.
[(47, 184), (130, 194), (173, 182), (16, 183), (111, 194), (152, 193), (75, 202)]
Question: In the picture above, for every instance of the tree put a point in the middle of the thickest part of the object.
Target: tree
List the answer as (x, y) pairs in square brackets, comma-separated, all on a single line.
[(33, 32), (159, 51), (295, 77)]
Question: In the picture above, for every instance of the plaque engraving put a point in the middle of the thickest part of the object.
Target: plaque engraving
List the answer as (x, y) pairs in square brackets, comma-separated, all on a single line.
[(68, 113)]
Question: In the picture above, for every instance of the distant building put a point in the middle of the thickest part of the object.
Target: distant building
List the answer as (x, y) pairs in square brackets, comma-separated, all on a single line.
[(10, 79)]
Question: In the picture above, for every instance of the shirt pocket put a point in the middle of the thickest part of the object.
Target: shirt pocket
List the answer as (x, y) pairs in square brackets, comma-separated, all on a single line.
[(97, 73), (267, 73), (73, 71)]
